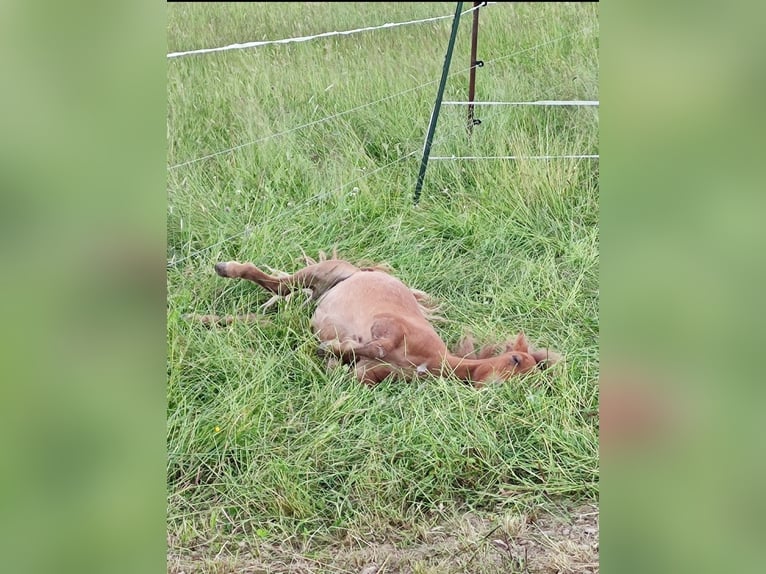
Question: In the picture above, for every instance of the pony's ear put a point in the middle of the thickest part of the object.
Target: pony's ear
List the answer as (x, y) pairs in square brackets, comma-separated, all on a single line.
[(519, 344), (545, 358), (465, 347)]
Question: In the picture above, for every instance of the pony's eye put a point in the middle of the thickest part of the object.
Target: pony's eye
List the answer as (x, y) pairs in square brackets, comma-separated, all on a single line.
[(516, 359)]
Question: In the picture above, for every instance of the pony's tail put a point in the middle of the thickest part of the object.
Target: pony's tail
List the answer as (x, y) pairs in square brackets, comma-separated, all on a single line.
[(428, 306)]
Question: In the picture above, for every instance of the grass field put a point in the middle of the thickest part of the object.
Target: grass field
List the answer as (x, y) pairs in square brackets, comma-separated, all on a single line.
[(267, 453)]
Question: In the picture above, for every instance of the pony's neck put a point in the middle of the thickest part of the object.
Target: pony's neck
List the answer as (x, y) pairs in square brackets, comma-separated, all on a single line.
[(465, 369)]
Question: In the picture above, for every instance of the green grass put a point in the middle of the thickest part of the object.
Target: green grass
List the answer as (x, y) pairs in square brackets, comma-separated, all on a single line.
[(503, 245)]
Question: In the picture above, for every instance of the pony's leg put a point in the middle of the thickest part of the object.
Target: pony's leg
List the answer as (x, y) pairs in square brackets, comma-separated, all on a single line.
[(279, 285), (371, 372), (387, 334), (223, 319), (319, 277)]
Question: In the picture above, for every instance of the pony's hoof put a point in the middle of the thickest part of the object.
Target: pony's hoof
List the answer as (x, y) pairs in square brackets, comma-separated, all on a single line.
[(220, 268)]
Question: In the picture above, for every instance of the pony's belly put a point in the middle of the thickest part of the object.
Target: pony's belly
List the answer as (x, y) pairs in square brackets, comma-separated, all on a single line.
[(348, 310), (329, 326)]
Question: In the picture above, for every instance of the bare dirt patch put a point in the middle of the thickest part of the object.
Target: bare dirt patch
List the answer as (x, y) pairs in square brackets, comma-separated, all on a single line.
[(564, 542)]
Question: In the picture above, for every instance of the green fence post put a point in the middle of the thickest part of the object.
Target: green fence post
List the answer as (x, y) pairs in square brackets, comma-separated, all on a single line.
[(438, 104)]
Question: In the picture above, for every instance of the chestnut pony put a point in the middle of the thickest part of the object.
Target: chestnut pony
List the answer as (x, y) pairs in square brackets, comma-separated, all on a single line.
[(369, 319)]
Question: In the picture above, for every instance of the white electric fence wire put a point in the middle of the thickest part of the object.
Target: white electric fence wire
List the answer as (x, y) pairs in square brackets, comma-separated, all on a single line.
[(537, 103), (260, 43)]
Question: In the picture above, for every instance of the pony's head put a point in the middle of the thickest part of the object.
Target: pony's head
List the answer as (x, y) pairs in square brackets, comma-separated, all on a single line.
[(517, 358)]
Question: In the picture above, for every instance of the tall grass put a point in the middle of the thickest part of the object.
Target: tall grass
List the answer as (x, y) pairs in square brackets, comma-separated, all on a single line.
[(261, 441)]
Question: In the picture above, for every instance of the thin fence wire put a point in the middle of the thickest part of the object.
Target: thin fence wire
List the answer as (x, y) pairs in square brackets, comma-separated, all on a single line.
[(553, 40), (303, 126), (294, 209), (518, 157)]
